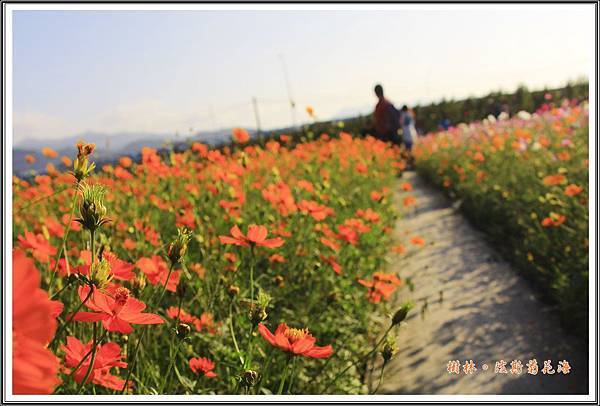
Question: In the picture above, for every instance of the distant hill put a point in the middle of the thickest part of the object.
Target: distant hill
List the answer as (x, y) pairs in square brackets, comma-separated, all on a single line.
[(109, 147)]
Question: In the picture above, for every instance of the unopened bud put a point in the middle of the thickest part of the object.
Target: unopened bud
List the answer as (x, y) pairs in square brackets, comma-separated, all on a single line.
[(100, 273), (178, 247), (257, 314), (183, 330), (401, 314), (81, 166), (233, 290), (389, 349), (249, 378), (92, 211)]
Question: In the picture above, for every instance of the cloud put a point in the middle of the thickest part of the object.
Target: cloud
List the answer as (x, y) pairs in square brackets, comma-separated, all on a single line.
[(38, 125)]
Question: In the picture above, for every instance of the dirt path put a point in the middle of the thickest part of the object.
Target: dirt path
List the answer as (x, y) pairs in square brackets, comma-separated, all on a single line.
[(488, 313)]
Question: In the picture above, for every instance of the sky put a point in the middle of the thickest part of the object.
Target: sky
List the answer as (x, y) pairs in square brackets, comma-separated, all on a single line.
[(181, 71)]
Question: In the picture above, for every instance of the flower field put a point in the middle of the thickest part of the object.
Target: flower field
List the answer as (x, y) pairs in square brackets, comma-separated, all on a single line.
[(525, 182), (242, 270)]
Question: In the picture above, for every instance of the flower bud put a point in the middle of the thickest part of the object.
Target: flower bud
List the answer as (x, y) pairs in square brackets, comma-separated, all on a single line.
[(100, 273), (178, 247), (92, 211), (257, 314), (183, 330), (81, 166), (249, 378), (401, 314), (233, 290), (389, 349)]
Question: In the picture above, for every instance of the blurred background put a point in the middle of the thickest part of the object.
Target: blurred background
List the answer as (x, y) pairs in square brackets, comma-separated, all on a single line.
[(124, 79)]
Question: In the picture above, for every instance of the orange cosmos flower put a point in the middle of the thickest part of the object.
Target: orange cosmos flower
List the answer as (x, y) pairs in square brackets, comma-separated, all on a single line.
[(29, 159), (417, 240), (66, 161), (240, 135), (406, 186), (573, 190), (276, 258), (295, 341), (40, 247), (382, 286), (35, 368), (552, 180), (203, 365), (399, 249), (107, 356), (310, 111), (125, 161), (257, 236), (49, 152), (553, 220), (117, 311), (157, 270), (409, 201)]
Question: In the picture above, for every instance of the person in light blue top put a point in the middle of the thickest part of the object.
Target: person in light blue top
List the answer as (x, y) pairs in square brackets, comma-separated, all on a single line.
[(407, 121)]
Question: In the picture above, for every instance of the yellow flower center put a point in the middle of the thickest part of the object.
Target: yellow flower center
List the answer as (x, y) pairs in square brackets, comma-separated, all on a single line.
[(121, 296), (295, 334)]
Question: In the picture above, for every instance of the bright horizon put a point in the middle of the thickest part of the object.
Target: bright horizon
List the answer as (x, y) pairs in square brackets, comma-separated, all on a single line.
[(172, 71)]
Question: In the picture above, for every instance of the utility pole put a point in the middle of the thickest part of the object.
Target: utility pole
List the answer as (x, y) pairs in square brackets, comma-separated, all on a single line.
[(256, 115), (289, 90)]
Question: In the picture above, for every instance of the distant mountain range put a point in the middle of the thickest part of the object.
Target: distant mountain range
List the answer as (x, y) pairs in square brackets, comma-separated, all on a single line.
[(109, 146)]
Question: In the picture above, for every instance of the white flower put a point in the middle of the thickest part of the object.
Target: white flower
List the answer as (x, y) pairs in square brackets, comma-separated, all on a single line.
[(503, 116), (523, 115)]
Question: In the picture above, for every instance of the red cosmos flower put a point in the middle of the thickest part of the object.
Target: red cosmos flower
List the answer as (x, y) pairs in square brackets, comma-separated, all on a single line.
[(296, 341), (122, 173), (554, 220), (107, 357), (257, 235), (330, 243), (41, 249), (382, 286), (317, 211), (276, 258), (184, 317), (54, 227), (129, 244), (204, 365), (157, 270), (35, 368), (116, 310), (348, 234), (119, 269), (369, 215), (573, 190), (333, 263), (417, 241), (240, 135), (406, 186)]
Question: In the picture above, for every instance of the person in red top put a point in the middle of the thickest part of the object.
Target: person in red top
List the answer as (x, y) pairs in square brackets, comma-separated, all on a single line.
[(386, 118)]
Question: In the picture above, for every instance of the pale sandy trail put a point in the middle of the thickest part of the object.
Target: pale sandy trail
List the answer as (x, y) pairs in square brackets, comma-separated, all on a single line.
[(488, 313)]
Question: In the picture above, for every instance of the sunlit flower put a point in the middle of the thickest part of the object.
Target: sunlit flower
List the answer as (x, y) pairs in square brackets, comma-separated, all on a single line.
[(295, 341), (257, 236), (203, 365)]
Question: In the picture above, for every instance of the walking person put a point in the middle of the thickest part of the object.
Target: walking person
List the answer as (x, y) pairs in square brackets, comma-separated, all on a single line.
[(385, 118), (407, 120)]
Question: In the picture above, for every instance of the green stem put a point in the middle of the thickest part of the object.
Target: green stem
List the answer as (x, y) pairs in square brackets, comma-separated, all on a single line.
[(361, 358), (235, 344), (64, 325), (283, 376), (380, 378), (137, 345), (62, 246), (91, 366), (292, 376)]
